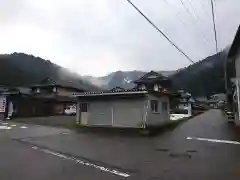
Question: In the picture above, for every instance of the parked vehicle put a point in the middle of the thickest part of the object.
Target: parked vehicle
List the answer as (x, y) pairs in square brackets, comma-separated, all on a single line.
[(71, 110)]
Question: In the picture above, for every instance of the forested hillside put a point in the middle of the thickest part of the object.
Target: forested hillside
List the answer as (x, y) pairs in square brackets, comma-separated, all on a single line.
[(203, 78), (19, 69)]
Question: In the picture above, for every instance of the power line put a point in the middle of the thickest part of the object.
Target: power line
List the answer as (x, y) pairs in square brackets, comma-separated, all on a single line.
[(181, 20), (194, 10), (164, 35), (190, 2), (214, 27), (204, 7), (194, 20)]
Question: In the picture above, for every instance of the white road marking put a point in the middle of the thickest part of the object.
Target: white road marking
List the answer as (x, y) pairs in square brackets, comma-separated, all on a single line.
[(214, 140), (13, 125), (23, 127), (116, 172), (4, 123), (5, 127)]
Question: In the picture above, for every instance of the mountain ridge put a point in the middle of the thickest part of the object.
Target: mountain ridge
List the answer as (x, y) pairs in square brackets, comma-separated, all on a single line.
[(203, 78)]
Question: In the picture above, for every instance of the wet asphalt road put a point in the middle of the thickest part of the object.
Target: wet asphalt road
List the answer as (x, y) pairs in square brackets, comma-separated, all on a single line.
[(105, 155)]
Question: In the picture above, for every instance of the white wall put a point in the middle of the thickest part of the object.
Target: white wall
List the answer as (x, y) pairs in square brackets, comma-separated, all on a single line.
[(160, 117), (117, 113), (128, 112)]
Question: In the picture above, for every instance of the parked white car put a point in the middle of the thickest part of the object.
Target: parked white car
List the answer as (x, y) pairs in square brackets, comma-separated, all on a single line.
[(71, 110)]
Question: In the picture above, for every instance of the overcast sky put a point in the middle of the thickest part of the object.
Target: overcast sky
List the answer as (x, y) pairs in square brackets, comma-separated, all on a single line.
[(95, 37)]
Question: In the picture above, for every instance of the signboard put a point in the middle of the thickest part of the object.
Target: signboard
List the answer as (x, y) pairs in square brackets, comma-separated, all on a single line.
[(3, 103)]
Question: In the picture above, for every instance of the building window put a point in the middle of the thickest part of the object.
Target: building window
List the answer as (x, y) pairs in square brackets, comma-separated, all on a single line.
[(142, 87), (154, 105), (164, 106), (55, 89), (156, 87), (84, 107), (38, 90)]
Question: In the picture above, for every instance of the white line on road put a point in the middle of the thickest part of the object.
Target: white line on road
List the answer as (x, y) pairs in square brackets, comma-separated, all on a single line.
[(23, 127), (214, 140), (5, 127), (116, 172)]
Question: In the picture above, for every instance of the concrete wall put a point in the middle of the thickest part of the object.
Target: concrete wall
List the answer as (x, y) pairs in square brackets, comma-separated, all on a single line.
[(127, 112), (160, 117), (63, 121), (118, 113)]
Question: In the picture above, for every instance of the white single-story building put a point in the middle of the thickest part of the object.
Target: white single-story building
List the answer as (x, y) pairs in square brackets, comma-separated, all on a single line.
[(130, 108)]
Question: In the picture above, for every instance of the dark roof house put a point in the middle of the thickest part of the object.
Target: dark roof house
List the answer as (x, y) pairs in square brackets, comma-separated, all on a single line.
[(153, 81), (81, 86), (7, 90), (150, 77)]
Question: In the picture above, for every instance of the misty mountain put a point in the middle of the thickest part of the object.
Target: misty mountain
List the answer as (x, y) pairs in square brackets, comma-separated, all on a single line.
[(19, 69), (203, 78), (123, 79)]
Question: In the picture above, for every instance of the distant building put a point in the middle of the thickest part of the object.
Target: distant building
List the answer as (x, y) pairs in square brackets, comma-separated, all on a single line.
[(215, 100), (52, 97), (153, 81), (47, 98), (9, 99), (186, 102), (218, 97), (117, 89)]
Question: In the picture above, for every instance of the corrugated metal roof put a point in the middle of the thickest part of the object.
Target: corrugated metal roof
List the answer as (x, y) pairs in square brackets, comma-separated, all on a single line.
[(109, 93), (118, 92)]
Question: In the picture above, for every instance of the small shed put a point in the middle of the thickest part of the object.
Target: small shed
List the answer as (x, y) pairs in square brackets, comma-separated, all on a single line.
[(128, 109)]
